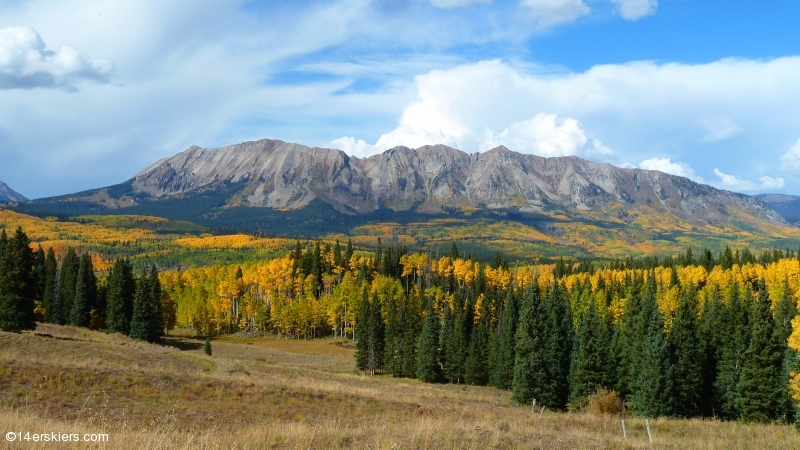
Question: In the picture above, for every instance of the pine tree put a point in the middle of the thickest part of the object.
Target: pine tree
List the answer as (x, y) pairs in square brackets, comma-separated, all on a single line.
[(476, 371), (428, 353), (628, 339), (687, 376), (737, 335), (529, 372), (714, 333), (51, 283), (375, 336), (503, 373), (146, 320), (785, 311), (17, 283), (67, 278), (589, 358), (207, 347), (761, 387), (651, 390), (558, 336), (119, 300), (41, 280), (362, 331), (85, 293)]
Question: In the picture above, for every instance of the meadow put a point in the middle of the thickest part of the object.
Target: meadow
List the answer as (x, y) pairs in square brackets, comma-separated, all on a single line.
[(265, 392)]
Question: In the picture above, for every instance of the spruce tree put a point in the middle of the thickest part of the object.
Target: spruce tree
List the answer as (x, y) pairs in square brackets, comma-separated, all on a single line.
[(589, 358), (529, 374), (688, 357), (146, 320), (737, 335), (119, 299), (67, 278), (651, 390), (476, 369), (17, 283), (785, 311), (628, 338), (50, 285), (504, 367), (714, 333), (362, 331), (762, 385), (41, 280), (207, 347), (375, 336), (428, 353), (558, 334), (85, 293)]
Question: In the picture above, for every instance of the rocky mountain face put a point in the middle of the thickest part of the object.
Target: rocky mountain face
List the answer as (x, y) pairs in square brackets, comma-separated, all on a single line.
[(435, 179), (787, 205), (9, 195)]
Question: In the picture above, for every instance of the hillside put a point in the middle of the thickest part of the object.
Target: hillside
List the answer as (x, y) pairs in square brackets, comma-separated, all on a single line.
[(787, 205), (256, 392)]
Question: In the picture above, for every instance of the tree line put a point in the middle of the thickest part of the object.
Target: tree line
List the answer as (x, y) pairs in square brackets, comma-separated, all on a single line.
[(34, 285)]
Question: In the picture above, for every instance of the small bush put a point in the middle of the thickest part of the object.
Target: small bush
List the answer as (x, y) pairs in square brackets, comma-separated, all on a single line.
[(208, 347), (603, 402)]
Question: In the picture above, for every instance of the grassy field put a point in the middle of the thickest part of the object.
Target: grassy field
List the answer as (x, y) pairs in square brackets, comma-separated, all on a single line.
[(274, 393)]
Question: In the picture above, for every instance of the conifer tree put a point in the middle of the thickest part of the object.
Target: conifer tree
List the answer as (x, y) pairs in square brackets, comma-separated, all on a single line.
[(85, 293), (589, 358), (146, 320), (736, 341), (688, 362), (628, 339), (476, 369), (67, 278), (207, 347), (362, 331), (785, 311), (558, 336), (51, 280), (652, 394), (17, 283), (529, 373), (375, 336), (41, 279), (714, 332), (428, 353), (762, 385), (503, 373), (119, 301)]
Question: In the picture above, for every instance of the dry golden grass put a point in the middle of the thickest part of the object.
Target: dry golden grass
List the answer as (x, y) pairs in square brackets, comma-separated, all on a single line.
[(272, 393)]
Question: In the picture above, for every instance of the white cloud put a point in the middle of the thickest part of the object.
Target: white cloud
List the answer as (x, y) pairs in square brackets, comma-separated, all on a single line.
[(719, 129), (352, 147), (451, 4), (791, 159), (545, 135), (673, 168), (636, 9), (26, 63), (738, 184), (771, 183), (547, 13)]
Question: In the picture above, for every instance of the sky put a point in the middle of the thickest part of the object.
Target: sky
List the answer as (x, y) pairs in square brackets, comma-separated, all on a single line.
[(91, 93)]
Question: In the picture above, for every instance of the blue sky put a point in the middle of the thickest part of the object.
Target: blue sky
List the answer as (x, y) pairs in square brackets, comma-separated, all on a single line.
[(91, 93)]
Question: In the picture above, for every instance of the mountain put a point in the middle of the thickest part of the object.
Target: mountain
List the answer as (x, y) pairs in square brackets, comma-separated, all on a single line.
[(787, 205), (290, 189), (9, 195)]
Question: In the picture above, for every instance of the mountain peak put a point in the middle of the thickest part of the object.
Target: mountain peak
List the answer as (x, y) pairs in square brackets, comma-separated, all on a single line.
[(9, 195)]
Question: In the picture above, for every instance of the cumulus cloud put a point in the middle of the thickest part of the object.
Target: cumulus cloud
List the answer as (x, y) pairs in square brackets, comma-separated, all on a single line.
[(452, 4), (636, 9), (547, 13), (26, 63), (545, 135), (791, 159), (735, 183), (673, 168)]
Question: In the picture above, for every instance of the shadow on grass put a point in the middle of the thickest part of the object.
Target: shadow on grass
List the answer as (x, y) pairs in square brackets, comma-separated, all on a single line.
[(183, 343)]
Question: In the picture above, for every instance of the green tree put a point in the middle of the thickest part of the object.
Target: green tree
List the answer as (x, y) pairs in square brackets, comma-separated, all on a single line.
[(119, 300), (429, 352), (688, 356), (762, 385), (503, 373), (589, 358), (146, 321), (714, 332), (529, 373), (17, 283), (85, 293), (737, 335), (207, 347), (50, 285), (67, 278), (362, 331), (476, 371)]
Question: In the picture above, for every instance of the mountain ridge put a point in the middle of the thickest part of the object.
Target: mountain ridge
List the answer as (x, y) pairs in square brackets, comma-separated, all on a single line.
[(9, 195)]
